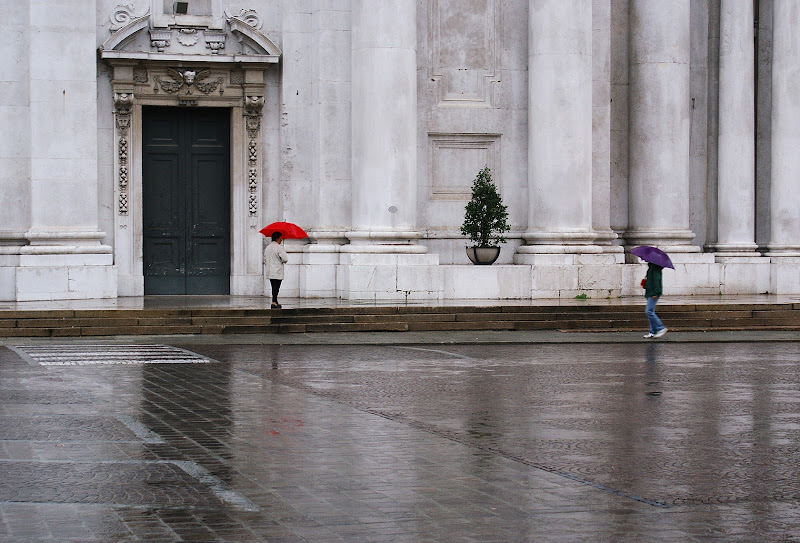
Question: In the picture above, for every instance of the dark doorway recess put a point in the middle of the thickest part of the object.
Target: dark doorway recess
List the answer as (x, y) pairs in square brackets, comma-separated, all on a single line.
[(186, 200)]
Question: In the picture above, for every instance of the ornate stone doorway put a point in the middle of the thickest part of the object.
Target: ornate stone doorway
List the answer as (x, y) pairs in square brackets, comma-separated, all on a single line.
[(222, 66)]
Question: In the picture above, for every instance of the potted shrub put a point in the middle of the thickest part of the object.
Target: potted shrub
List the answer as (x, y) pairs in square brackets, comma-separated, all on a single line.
[(485, 220)]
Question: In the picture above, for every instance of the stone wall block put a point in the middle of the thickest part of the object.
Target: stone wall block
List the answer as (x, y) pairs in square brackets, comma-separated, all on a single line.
[(487, 282), (750, 278)]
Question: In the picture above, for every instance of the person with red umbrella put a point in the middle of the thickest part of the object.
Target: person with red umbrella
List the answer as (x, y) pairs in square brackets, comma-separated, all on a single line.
[(656, 261), (275, 257), (275, 254)]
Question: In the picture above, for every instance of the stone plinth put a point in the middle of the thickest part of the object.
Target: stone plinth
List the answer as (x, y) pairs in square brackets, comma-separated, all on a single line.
[(495, 282), (744, 275), (389, 277), (57, 277), (784, 275)]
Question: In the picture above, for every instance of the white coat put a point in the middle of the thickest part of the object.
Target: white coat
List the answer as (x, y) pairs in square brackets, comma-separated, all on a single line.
[(274, 258)]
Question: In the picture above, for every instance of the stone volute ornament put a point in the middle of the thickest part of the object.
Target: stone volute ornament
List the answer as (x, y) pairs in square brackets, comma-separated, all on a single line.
[(123, 14)]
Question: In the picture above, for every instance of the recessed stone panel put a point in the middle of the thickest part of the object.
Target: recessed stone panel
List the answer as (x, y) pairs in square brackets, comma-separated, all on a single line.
[(455, 160), (464, 50)]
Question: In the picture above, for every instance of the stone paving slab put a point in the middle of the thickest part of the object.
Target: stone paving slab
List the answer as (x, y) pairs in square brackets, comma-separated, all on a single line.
[(475, 441)]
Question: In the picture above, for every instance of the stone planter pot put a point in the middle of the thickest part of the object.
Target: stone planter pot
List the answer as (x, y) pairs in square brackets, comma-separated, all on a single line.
[(483, 255)]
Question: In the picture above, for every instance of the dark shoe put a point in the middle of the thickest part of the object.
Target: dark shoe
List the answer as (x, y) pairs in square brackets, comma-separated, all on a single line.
[(276, 306)]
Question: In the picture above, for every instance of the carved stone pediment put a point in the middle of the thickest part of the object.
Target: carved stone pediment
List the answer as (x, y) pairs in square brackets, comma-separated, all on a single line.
[(138, 38)]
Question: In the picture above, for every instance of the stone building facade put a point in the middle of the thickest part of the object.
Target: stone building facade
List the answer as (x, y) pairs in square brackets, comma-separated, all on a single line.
[(146, 142)]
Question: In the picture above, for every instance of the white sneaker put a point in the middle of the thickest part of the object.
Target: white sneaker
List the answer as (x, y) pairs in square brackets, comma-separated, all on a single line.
[(661, 332), (648, 336)]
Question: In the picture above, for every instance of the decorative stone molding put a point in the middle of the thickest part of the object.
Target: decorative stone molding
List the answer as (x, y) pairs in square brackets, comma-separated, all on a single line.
[(123, 102), (249, 16), (180, 39), (252, 111), (215, 41), (160, 39), (187, 36), (253, 106), (140, 75), (188, 78)]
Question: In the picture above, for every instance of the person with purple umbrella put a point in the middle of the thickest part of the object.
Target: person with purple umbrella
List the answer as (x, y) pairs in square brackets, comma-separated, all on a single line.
[(656, 260), (652, 292)]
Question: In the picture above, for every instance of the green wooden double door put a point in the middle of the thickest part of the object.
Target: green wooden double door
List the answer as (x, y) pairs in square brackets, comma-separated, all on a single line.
[(186, 200)]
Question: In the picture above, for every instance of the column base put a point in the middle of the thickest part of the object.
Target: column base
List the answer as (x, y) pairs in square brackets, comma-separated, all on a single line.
[(670, 241), (735, 250), (384, 242), (561, 242), (58, 277), (70, 265), (783, 250)]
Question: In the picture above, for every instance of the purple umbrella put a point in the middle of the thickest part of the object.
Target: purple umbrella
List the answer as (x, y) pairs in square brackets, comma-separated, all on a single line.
[(653, 255)]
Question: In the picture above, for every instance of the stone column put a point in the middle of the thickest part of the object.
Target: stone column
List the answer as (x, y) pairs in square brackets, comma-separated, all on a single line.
[(382, 260), (559, 128), (384, 124), (736, 154), (659, 125), (15, 140), (601, 125), (65, 256), (785, 190)]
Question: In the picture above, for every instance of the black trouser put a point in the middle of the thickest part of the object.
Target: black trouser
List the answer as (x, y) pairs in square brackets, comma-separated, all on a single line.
[(276, 286)]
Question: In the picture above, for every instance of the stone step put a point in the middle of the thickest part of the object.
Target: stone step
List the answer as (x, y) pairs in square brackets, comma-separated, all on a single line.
[(574, 317)]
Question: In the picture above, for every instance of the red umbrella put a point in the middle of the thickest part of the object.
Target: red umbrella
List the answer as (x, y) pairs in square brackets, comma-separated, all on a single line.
[(288, 230)]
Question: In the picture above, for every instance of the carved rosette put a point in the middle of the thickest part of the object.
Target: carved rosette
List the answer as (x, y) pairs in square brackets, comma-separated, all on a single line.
[(122, 115), (253, 105)]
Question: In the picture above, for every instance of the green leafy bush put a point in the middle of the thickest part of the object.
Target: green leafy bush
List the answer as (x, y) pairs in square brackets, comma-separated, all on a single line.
[(485, 218)]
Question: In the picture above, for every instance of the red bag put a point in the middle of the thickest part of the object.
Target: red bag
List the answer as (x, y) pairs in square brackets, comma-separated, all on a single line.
[(643, 282)]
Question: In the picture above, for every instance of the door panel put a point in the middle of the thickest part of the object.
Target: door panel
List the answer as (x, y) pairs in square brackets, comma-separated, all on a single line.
[(186, 195)]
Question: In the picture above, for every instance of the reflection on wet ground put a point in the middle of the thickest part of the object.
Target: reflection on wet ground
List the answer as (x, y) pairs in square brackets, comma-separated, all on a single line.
[(582, 442)]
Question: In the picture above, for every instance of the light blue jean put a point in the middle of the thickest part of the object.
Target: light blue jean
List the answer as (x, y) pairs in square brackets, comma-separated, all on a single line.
[(650, 311)]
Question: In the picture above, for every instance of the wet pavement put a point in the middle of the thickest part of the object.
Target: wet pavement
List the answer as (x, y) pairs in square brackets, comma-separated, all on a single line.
[(174, 439)]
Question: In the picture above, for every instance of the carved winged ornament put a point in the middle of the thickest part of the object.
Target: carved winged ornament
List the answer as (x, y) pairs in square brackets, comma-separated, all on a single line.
[(187, 78)]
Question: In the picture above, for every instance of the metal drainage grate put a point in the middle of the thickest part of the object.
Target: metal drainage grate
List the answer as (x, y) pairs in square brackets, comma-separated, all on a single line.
[(86, 355)]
